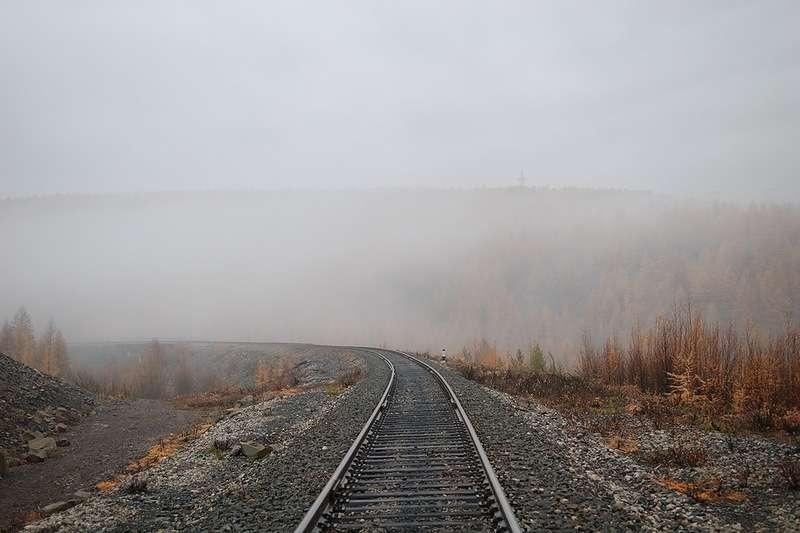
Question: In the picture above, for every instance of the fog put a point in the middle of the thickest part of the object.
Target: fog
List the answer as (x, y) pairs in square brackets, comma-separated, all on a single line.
[(417, 174), (417, 269), (684, 98)]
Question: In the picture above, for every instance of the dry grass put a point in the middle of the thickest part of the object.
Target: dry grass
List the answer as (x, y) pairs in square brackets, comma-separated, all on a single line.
[(221, 399), (704, 369), (165, 448), (707, 491), (679, 456)]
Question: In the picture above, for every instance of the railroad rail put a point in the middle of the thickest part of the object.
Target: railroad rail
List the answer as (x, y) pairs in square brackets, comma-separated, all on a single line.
[(417, 464)]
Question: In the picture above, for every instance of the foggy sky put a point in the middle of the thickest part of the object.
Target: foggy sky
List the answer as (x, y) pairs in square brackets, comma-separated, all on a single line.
[(687, 98)]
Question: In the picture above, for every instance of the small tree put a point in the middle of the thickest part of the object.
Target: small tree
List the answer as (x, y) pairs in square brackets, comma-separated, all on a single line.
[(536, 357)]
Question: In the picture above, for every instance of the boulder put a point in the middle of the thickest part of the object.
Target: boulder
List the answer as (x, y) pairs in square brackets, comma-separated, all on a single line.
[(255, 450), (222, 443), (61, 427), (44, 443), (62, 442), (236, 449)]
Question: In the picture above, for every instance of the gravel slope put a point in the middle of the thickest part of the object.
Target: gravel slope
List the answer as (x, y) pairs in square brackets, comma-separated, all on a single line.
[(194, 490)]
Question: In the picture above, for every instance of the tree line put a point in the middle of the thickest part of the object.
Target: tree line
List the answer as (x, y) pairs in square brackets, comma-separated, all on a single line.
[(48, 353)]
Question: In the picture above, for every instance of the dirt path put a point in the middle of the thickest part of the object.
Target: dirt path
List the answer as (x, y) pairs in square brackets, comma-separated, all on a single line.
[(101, 446)]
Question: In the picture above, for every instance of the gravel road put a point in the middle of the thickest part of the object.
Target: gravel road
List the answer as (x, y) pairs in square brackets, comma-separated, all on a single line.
[(197, 491)]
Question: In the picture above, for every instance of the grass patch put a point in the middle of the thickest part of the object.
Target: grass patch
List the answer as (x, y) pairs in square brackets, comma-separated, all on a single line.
[(707, 491), (165, 448)]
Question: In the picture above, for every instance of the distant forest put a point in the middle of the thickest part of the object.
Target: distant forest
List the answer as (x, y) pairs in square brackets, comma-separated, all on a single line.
[(419, 269)]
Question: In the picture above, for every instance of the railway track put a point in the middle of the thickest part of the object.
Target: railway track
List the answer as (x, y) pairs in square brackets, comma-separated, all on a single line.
[(417, 464)]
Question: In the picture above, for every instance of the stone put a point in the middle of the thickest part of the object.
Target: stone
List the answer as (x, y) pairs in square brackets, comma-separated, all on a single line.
[(57, 507), (61, 427), (31, 435), (236, 449), (35, 456), (62, 442), (44, 443), (222, 443), (83, 494), (255, 450)]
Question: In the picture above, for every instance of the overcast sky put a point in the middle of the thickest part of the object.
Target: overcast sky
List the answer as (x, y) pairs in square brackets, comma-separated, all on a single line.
[(694, 98)]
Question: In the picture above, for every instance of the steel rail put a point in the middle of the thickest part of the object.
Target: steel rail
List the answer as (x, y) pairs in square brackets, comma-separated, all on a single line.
[(325, 497), (504, 516), (506, 510)]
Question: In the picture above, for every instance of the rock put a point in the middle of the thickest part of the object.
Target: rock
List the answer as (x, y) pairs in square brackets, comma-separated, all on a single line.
[(57, 507), (83, 494), (255, 450), (236, 449), (222, 443), (62, 442), (61, 427), (35, 456), (44, 443), (31, 435)]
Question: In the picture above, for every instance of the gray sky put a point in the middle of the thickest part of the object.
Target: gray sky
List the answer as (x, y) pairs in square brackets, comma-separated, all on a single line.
[(697, 98)]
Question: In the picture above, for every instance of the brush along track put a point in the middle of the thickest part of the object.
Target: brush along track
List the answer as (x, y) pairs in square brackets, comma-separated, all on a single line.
[(416, 465)]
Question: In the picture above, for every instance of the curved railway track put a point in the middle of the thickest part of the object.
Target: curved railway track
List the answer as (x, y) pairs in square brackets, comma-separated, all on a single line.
[(417, 464)]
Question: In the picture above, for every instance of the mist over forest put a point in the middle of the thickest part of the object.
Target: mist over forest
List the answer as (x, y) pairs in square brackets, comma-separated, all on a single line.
[(412, 268)]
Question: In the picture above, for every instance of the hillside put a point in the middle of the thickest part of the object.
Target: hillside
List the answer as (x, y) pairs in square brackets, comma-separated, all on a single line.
[(34, 405)]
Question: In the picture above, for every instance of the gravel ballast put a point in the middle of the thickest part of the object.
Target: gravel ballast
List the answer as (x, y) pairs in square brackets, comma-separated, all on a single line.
[(200, 489)]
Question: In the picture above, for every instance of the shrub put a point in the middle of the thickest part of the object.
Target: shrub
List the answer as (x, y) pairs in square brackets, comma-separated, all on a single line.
[(679, 456)]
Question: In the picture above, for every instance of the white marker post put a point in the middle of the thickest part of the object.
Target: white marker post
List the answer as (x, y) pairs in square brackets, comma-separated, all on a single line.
[(444, 355)]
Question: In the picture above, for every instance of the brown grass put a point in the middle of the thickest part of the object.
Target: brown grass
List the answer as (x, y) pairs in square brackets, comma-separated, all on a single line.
[(704, 367), (707, 491), (679, 456), (165, 448)]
